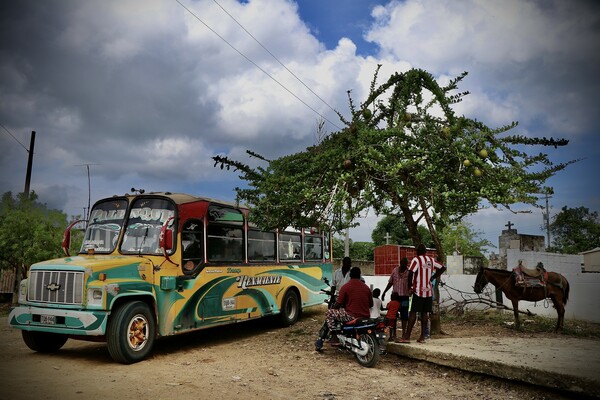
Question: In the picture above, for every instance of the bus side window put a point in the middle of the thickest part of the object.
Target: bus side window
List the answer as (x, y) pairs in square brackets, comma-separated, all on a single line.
[(313, 248), (290, 247), (225, 235), (191, 244), (261, 246)]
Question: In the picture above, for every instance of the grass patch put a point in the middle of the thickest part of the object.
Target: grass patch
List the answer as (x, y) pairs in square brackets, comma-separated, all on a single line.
[(529, 324)]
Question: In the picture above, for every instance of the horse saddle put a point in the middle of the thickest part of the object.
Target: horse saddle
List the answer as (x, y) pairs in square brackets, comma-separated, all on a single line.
[(533, 272), (530, 277)]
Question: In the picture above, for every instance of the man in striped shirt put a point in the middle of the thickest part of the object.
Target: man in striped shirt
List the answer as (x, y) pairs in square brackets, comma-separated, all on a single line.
[(422, 271)]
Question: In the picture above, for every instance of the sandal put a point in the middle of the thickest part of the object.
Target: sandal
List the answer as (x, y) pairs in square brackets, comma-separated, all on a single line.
[(402, 340)]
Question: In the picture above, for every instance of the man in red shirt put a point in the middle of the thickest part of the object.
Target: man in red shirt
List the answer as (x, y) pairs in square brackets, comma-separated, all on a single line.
[(354, 301), (422, 271)]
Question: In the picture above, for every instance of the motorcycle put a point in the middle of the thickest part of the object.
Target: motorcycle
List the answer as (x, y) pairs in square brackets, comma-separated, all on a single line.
[(364, 337)]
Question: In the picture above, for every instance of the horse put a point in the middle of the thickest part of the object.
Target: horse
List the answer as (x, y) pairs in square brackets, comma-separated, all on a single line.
[(556, 289)]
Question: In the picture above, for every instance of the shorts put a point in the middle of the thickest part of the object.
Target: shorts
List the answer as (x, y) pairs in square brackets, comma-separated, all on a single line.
[(421, 304), (391, 322), (404, 302)]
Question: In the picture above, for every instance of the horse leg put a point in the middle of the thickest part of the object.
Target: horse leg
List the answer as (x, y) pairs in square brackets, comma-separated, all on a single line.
[(560, 310), (515, 304)]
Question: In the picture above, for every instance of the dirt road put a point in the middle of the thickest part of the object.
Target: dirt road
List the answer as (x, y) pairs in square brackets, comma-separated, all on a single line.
[(254, 360)]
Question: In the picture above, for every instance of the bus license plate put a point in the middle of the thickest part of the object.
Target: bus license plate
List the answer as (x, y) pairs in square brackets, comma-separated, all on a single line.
[(48, 319)]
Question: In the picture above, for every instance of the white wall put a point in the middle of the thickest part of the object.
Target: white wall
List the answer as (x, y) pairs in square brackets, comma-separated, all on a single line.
[(561, 263), (583, 304)]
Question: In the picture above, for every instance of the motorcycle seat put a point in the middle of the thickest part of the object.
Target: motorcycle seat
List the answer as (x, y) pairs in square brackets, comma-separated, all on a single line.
[(358, 323)]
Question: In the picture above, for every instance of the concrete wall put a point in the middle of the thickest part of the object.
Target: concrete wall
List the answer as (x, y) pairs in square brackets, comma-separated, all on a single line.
[(366, 267), (584, 296), (561, 263)]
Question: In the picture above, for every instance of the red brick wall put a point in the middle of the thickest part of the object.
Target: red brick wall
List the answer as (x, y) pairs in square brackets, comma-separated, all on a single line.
[(388, 256)]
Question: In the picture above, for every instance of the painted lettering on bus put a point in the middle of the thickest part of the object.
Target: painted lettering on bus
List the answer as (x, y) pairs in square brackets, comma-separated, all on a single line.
[(245, 281)]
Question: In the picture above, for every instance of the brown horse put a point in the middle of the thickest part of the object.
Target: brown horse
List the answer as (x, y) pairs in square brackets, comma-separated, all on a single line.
[(556, 289)]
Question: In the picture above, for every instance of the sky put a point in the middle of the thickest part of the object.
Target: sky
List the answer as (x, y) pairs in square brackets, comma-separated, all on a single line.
[(144, 93)]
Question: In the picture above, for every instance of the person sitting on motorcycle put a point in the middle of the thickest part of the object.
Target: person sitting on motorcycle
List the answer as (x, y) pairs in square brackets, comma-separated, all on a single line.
[(354, 301)]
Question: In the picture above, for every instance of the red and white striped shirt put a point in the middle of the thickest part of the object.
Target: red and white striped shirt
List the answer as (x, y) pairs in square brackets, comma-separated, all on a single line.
[(423, 268)]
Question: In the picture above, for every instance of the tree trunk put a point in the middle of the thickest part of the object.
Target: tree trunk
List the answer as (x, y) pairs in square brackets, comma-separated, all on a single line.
[(436, 324)]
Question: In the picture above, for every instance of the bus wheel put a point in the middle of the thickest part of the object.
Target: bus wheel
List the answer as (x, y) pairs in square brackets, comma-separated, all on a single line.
[(131, 332), (44, 342), (290, 308)]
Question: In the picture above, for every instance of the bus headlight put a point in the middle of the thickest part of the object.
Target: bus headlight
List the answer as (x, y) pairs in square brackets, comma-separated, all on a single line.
[(23, 291), (95, 296)]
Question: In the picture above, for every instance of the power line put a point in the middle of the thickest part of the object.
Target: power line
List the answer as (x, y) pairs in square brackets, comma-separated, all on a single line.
[(13, 136), (272, 55), (255, 64)]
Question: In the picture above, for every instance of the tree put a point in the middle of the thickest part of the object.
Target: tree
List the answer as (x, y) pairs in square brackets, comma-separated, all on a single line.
[(29, 233), (575, 230), (358, 250), (403, 151), (461, 237), (394, 226)]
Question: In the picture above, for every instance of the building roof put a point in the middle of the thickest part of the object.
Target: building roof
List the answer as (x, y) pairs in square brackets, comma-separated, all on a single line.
[(597, 249)]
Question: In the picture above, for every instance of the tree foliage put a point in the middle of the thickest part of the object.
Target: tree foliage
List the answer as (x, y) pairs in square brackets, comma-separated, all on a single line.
[(575, 230), (461, 238), (404, 151), (358, 250), (394, 226), (29, 231)]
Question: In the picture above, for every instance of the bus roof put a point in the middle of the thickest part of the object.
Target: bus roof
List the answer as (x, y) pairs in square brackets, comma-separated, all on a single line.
[(183, 198)]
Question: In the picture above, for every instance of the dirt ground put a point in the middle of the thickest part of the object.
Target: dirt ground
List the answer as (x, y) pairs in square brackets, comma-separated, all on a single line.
[(251, 360)]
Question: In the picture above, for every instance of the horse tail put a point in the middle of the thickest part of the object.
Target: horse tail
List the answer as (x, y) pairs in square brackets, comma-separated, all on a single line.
[(566, 289)]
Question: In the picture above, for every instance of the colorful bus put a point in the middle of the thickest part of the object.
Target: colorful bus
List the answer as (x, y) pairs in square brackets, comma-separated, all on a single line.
[(160, 264)]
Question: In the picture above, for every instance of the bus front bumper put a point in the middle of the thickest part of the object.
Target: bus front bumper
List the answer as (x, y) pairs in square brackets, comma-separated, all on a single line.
[(68, 322)]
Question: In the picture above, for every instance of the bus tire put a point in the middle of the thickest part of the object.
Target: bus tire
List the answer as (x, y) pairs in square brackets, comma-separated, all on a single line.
[(44, 342), (131, 332), (290, 308)]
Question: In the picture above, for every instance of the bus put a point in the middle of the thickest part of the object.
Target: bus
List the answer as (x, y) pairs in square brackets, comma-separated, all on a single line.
[(160, 264)]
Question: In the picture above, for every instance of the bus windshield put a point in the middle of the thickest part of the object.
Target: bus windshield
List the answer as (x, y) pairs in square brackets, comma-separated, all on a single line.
[(106, 221), (146, 218)]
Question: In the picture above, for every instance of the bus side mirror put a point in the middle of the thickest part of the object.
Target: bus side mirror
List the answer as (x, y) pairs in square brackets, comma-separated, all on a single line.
[(66, 242), (165, 240)]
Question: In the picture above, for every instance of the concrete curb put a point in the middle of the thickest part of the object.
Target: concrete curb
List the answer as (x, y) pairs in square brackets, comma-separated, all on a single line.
[(571, 365)]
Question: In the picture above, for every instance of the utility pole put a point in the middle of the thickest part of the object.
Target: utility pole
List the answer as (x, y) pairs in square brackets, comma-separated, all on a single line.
[(29, 164), (546, 215), (21, 266)]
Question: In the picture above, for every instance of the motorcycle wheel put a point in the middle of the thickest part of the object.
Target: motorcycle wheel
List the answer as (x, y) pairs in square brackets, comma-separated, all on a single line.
[(372, 357)]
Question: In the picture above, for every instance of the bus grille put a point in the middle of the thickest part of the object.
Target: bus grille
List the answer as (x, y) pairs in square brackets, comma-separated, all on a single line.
[(61, 287)]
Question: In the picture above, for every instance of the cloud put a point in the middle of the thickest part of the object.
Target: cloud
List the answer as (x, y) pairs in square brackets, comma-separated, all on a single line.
[(147, 93), (548, 47)]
